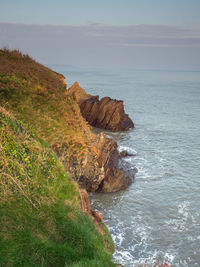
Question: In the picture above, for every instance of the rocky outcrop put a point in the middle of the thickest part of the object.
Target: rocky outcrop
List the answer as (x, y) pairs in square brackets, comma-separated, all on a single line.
[(99, 170), (62, 78), (106, 113), (124, 154), (85, 206)]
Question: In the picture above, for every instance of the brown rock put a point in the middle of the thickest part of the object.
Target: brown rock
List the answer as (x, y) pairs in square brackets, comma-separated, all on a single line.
[(85, 202), (125, 153), (115, 178), (62, 78), (106, 113), (78, 93), (85, 206), (99, 170), (98, 217)]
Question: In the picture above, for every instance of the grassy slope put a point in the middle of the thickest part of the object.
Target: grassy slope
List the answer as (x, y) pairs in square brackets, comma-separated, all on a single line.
[(41, 223), (37, 96)]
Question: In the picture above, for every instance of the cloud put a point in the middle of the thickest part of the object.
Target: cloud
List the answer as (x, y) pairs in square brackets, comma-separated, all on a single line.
[(145, 35), (158, 35), (99, 44)]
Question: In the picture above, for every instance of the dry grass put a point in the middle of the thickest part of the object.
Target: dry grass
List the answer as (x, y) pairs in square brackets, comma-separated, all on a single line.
[(23, 158), (16, 63), (41, 223), (37, 96)]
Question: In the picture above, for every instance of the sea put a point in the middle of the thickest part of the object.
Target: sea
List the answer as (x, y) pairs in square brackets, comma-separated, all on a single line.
[(157, 219)]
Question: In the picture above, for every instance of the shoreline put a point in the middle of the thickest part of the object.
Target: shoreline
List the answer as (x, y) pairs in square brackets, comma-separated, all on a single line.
[(36, 96)]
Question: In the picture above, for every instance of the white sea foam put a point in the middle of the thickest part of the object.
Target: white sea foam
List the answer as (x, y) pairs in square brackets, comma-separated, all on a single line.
[(118, 239), (183, 208), (180, 223), (149, 261), (128, 149), (165, 108)]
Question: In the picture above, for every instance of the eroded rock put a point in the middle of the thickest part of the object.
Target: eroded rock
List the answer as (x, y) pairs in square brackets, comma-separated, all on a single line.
[(99, 170), (125, 153), (86, 207), (106, 113)]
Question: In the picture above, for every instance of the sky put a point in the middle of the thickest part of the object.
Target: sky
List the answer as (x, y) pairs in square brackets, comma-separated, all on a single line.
[(139, 34)]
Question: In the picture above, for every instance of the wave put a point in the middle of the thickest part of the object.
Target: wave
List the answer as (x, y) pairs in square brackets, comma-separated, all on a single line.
[(128, 149)]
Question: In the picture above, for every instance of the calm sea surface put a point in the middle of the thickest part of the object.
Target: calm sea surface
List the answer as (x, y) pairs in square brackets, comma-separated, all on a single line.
[(158, 216)]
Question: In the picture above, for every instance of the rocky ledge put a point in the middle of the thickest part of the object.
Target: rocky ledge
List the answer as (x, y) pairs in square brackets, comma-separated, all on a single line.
[(102, 169), (106, 113)]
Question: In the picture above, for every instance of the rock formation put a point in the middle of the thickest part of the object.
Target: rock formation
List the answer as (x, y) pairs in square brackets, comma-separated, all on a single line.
[(85, 206), (93, 160), (106, 113), (124, 154), (100, 170)]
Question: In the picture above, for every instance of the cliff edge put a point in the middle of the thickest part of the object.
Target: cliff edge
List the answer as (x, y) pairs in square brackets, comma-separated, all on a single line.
[(46, 219), (37, 95)]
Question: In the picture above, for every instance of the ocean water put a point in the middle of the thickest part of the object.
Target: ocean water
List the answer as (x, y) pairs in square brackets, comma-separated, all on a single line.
[(158, 216)]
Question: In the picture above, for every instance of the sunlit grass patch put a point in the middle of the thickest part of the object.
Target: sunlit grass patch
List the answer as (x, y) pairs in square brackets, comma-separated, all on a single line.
[(41, 223)]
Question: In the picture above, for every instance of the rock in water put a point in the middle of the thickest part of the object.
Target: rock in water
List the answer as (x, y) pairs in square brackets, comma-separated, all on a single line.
[(106, 113), (100, 171), (124, 154)]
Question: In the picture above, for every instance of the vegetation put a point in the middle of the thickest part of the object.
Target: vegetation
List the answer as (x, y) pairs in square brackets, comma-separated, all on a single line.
[(41, 222), (38, 97)]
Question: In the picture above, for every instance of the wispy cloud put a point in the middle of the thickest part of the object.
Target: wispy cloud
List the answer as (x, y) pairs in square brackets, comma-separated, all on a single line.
[(99, 43), (146, 35)]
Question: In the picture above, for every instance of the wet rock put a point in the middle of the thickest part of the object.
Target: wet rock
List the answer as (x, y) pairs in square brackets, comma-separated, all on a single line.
[(85, 202), (85, 206), (106, 113), (115, 178), (98, 216), (99, 170), (125, 153)]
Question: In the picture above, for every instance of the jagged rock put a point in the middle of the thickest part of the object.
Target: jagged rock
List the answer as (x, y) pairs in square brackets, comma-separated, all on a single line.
[(85, 202), (125, 153), (106, 113), (85, 206), (98, 216), (99, 170)]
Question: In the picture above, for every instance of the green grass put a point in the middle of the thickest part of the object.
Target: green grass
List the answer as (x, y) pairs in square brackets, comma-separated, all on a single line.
[(41, 222), (38, 97)]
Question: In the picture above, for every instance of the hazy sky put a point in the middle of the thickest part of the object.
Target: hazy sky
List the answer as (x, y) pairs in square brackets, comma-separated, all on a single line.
[(143, 34)]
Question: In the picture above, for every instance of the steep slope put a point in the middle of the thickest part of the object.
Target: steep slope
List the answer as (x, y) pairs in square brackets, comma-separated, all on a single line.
[(38, 97), (41, 222)]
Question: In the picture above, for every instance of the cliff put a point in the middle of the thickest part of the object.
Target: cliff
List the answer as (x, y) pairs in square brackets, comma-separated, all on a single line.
[(106, 113), (38, 96), (46, 219), (36, 188)]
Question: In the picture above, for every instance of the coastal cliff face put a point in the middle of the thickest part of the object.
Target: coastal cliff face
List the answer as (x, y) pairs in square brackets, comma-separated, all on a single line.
[(99, 170), (46, 220), (38, 96), (45, 217), (106, 113), (44, 142)]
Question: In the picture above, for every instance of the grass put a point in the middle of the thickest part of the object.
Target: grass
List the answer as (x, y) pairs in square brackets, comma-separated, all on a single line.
[(38, 97), (41, 222)]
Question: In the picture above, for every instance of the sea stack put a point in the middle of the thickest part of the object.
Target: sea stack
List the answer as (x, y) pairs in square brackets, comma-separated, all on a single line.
[(105, 113)]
